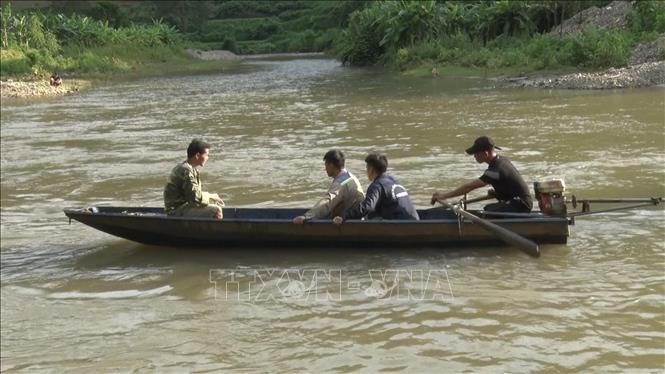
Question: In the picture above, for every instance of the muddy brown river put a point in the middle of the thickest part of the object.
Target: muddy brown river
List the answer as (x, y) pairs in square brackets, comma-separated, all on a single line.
[(78, 300)]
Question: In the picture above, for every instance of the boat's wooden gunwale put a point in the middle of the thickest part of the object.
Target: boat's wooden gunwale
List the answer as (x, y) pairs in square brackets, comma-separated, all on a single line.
[(149, 226)]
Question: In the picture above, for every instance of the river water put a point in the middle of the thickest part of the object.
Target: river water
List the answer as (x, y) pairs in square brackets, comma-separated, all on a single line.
[(75, 299)]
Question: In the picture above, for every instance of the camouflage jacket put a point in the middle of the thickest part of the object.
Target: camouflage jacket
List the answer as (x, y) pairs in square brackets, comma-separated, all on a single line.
[(184, 186)]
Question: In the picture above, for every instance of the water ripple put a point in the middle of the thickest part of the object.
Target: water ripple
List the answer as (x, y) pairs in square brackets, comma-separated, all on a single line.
[(74, 299)]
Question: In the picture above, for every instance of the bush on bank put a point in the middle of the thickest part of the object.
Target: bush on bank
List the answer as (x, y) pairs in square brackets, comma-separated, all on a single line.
[(490, 34), (591, 49), (275, 26), (39, 44), (80, 36)]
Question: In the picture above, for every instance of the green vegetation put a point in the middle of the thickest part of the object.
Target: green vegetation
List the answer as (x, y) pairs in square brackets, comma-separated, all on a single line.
[(38, 44), (102, 37), (252, 27), (241, 26), (591, 49), (492, 35)]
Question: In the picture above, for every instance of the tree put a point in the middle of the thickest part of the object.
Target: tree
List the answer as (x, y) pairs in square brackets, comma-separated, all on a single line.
[(111, 12), (408, 22), (343, 9), (69, 7), (187, 16), (5, 19)]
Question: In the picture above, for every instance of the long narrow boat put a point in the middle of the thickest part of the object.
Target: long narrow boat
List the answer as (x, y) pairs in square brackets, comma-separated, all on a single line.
[(257, 227)]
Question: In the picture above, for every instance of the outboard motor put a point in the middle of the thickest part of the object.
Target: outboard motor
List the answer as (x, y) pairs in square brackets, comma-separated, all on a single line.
[(550, 196)]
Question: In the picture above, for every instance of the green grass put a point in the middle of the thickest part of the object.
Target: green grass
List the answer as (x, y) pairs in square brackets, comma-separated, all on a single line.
[(593, 49), (106, 62), (14, 63), (253, 47), (259, 27), (142, 62), (239, 29)]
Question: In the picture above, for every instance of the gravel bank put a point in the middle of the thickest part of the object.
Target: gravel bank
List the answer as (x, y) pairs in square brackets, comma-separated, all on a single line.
[(647, 67), (611, 17), (642, 75), (212, 55), (20, 89), (648, 52)]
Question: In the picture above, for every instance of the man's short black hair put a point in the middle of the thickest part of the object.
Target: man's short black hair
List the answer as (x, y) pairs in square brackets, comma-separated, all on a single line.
[(377, 162), (196, 146), (335, 157)]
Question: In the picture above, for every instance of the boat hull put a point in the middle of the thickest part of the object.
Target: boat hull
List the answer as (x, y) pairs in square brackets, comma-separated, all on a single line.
[(255, 227)]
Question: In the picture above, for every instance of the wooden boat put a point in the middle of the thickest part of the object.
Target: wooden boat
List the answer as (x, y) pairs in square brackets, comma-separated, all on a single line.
[(257, 227)]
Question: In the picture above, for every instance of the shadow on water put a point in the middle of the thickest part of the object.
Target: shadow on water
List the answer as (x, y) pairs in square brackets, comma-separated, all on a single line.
[(121, 254), (191, 273)]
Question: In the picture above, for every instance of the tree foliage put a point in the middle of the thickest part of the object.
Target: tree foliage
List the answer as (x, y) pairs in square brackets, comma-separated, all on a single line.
[(401, 26), (26, 31), (362, 38), (649, 16), (187, 16), (35, 41), (50, 31)]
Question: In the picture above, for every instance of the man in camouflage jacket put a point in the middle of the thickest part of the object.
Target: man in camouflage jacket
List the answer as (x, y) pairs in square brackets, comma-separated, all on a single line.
[(183, 195)]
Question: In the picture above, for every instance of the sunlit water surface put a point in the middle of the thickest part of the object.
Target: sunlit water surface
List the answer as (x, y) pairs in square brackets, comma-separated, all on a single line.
[(75, 299)]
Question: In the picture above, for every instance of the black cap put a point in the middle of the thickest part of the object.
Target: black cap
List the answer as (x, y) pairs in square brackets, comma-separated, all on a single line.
[(484, 143)]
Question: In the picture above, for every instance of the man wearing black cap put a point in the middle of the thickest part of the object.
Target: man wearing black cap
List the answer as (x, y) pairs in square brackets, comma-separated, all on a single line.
[(510, 189)]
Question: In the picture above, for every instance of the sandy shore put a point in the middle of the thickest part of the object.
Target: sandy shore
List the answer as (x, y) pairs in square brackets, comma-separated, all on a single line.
[(40, 88)]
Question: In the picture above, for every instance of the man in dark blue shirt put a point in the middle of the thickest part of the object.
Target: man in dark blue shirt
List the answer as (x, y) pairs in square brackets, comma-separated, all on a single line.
[(511, 190), (385, 198)]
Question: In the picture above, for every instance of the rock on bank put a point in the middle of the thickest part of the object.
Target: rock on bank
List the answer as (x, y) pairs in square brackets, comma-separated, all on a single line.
[(642, 75), (21, 89), (212, 55)]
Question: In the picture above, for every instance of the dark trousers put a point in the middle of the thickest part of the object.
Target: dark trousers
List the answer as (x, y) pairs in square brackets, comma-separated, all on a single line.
[(508, 206)]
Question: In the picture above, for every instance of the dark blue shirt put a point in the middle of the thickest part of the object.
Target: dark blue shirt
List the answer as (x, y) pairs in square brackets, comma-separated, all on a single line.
[(385, 199)]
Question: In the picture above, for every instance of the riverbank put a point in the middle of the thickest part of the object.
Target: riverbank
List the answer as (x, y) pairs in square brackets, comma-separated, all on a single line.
[(178, 64), (643, 75), (224, 55), (190, 62), (594, 49), (646, 69), (40, 88)]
